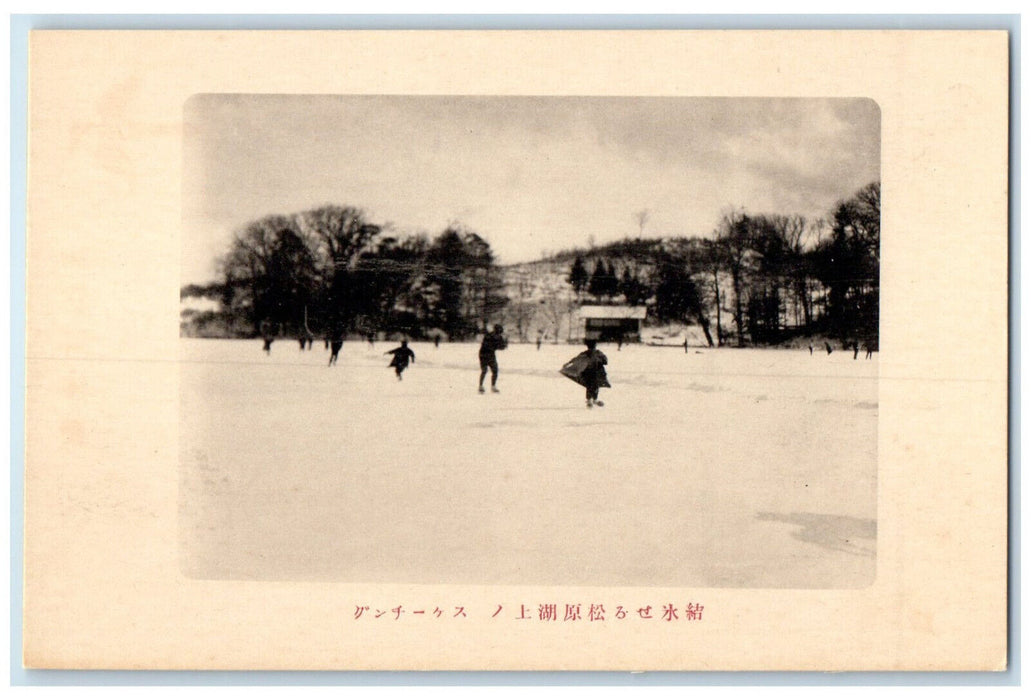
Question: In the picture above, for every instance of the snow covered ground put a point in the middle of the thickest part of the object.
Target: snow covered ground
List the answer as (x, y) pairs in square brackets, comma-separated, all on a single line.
[(751, 468)]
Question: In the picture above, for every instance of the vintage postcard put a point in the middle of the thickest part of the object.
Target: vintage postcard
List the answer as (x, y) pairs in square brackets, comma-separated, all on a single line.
[(506, 350)]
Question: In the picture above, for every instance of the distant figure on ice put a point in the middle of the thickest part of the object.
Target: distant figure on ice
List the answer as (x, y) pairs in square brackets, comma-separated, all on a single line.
[(436, 341), (268, 334), (685, 345), (492, 342), (335, 344), (371, 337), (401, 357), (828, 346), (619, 343), (538, 341), (303, 341), (588, 370), (868, 346), (810, 348), (855, 349)]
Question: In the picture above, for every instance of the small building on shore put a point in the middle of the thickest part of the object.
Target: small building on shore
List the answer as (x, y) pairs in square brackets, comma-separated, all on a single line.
[(607, 324)]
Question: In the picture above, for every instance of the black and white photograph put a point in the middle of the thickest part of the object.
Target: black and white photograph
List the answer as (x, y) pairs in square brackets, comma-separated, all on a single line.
[(517, 351), (530, 340)]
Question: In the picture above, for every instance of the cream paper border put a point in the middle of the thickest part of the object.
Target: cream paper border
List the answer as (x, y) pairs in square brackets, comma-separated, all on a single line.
[(102, 588)]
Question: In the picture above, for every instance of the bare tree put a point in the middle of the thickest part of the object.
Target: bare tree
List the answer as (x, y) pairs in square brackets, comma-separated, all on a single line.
[(260, 280), (342, 233), (521, 310), (641, 217), (712, 262), (556, 304), (732, 237)]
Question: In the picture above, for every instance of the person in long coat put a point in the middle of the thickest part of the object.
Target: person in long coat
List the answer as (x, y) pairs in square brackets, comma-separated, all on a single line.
[(588, 370)]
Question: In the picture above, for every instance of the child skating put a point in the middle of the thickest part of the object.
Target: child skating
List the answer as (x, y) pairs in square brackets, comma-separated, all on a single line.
[(401, 357)]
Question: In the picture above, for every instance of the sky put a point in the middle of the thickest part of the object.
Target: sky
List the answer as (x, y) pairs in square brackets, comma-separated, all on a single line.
[(529, 174)]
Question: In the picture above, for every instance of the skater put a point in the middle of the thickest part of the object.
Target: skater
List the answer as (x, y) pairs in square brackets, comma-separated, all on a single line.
[(868, 346), (855, 349), (588, 370), (335, 344), (538, 342), (685, 346), (371, 337), (268, 334), (401, 357), (828, 346), (594, 375), (619, 344), (436, 341), (810, 348), (305, 336), (492, 342)]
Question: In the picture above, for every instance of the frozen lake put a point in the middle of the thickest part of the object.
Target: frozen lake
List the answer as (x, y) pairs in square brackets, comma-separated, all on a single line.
[(748, 468)]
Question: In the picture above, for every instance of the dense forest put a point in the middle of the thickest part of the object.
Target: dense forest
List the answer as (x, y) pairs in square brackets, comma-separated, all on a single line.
[(757, 279)]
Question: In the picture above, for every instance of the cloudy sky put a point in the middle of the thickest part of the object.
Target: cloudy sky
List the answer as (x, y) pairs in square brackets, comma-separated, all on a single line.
[(529, 174)]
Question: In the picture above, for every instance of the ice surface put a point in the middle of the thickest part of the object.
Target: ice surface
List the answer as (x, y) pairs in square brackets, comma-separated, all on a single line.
[(728, 467)]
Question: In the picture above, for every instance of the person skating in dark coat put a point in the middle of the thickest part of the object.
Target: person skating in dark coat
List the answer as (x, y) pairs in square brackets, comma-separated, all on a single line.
[(492, 342), (335, 343), (268, 334), (401, 357), (588, 369), (829, 348)]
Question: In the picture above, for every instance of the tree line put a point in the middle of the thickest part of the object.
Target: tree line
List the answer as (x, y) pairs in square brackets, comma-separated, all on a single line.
[(330, 271), (758, 279)]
